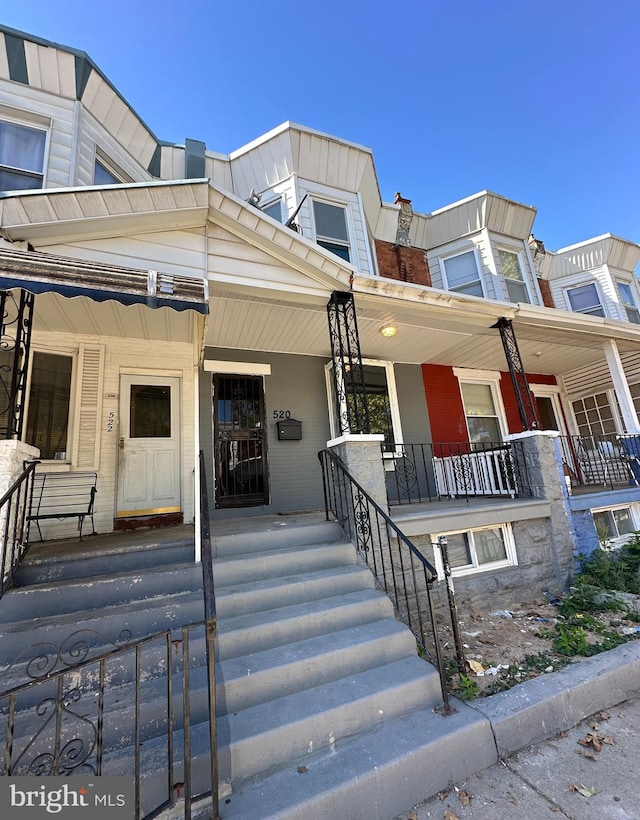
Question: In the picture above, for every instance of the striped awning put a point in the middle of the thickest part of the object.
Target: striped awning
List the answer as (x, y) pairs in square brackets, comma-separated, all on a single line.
[(45, 273)]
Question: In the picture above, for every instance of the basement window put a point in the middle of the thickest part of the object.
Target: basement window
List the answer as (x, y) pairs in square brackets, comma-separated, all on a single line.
[(614, 526), (477, 550)]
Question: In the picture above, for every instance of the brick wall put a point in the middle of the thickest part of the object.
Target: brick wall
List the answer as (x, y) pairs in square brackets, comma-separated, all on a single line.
[(404, 264), (545, 292)]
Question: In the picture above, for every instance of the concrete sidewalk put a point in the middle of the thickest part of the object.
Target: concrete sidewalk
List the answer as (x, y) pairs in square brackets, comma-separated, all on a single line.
[(548, 776), (546, 779)]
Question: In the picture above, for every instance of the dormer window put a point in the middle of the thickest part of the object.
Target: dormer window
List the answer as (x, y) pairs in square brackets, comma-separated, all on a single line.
[(462, 274), (628, 300), (21, 156), (585, 299), (106, 172), (273, 209), (513, 277), (331, 228)]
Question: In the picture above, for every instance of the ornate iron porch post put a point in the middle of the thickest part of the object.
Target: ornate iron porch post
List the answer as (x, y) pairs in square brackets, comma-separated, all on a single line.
[(348, 376), (526, 404), (16, 321)]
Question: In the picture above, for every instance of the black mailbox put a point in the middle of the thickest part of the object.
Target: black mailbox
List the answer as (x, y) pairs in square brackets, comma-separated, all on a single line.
[(289, 430)]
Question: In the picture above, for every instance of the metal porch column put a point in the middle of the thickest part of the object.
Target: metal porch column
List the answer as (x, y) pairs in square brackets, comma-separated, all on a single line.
[(524, 397), (16, 321), (352, 407)]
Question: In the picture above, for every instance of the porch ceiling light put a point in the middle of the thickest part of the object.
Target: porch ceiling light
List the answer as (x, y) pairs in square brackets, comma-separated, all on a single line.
[(388, 331)]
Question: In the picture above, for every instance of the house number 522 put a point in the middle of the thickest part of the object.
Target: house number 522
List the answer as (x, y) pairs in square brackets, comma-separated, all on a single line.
[(110, 421)]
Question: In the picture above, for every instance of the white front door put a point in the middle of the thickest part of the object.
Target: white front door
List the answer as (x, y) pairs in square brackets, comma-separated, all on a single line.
[(149, 455)]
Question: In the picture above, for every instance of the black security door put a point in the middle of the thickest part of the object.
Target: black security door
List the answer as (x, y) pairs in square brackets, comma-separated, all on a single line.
[(240, 441)]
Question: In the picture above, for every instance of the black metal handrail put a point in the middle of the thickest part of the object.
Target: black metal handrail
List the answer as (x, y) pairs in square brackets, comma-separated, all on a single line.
[(211, 625), (400, 569), (419, 473), (57, 702), (14, 525), (123, 711), (606, 461)]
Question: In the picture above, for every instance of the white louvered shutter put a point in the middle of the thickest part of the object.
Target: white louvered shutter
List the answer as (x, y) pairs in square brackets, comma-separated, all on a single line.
[(90, 377)]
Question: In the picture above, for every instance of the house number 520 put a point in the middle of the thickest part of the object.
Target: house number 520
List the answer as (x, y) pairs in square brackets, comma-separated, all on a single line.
[(282, 414)]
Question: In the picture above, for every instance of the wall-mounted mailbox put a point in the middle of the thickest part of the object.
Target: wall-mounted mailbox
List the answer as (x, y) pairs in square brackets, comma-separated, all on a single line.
[(289, 430)]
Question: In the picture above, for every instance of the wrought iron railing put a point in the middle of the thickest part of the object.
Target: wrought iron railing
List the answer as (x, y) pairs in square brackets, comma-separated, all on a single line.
[(128, 711), (400, 569), (607, 461), (92, 705), (211, 626), (14, 525), (418, 473)]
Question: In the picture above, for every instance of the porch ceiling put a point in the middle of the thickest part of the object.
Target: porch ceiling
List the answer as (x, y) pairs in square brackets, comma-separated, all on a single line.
[(425, 334), (81, 315)]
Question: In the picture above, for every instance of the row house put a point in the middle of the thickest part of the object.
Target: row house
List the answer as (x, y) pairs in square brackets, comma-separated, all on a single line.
[(179, 299)]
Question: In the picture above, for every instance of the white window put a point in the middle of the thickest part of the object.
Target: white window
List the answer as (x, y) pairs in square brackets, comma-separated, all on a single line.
[(595, 415), (48, 426), (331, 228), (480, 409), (628, 300), (478, 550), (585, 299), (273, 209), (22, 150), (382, 399), (462, 275), (614, 526), (513, 276), (106, 172)]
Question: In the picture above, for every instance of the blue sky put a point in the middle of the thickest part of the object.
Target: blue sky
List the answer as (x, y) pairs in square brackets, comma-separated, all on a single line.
[(536, 101)]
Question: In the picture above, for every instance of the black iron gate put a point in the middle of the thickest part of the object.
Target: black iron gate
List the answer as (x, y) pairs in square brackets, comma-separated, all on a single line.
[(240, 441)]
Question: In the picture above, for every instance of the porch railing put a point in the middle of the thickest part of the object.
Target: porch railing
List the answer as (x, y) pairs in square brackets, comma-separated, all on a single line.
[(14, 525), (418, 473), (143, 708), (129, 711), (400, 569), (606, 461)]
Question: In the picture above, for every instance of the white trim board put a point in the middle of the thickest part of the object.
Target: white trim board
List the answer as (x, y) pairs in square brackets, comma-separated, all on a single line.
[(241, 368)]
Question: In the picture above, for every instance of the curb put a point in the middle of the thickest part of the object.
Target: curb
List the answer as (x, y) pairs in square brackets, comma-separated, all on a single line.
[(536, 709)]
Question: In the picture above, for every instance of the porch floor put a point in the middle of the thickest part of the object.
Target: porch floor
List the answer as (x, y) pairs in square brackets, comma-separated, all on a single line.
[(109, 543), (120, 541)]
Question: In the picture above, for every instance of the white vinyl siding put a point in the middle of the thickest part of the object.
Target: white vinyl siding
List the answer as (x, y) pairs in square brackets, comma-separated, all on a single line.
[(95, 142)]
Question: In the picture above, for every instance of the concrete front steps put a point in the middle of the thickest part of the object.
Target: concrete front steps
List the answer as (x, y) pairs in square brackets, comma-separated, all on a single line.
[(325, 709)]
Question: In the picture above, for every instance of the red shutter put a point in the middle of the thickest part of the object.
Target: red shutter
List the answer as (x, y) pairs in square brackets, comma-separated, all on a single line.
[(444, 403)]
